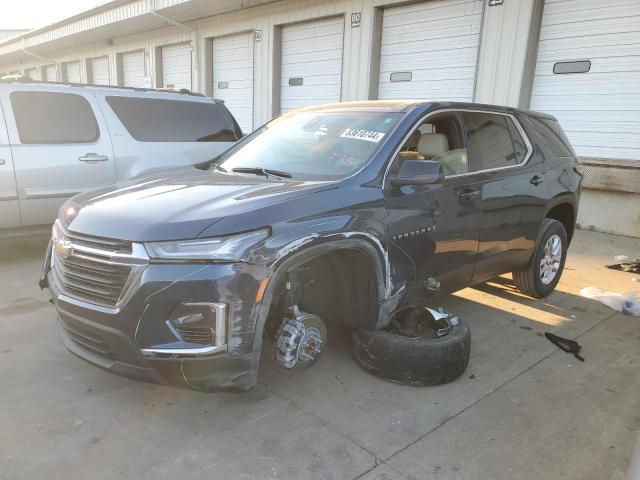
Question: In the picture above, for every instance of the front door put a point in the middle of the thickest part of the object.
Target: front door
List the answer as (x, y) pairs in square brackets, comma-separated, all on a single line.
[(60, 148), (433, 229)]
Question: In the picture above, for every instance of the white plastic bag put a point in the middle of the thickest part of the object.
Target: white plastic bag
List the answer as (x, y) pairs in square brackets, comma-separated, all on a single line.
[(628, 303)]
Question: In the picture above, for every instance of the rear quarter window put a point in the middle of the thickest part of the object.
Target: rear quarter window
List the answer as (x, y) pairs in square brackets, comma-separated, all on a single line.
[(552, 136), (159, 120), (53, 118)]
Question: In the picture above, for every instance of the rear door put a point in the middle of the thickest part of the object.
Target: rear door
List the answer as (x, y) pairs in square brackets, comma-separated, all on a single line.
[(9, 208), (511, 189), (60, 146), (160, 130)]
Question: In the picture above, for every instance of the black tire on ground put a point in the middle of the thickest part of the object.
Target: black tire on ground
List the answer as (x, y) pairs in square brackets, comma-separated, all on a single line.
[(529, 279), (413, 360)]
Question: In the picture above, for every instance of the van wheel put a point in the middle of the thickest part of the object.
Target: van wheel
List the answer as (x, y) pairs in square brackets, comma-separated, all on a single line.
[(414, 360), (540, 277)]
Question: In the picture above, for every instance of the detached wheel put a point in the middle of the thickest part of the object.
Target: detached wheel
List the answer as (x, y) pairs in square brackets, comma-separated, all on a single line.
[(540, 277), (414, 359)]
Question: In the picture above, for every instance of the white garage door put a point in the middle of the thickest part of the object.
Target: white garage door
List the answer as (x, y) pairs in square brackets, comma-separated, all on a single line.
[(99, 68), (311, 63), (33, 73), (133, 69), (176, 66), (233, 76), (599, 109), (50, 73), (72, 72), (430, 49)]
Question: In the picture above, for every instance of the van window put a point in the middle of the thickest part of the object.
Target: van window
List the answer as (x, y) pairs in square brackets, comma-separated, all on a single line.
[(52, 118), (490, 142), (158, 120)]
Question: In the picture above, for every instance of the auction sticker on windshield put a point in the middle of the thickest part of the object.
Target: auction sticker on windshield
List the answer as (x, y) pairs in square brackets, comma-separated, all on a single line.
[(360, 134)]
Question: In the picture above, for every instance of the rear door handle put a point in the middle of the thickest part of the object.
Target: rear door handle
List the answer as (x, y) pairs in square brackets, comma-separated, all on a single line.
[(536, 180), (93, 158), (469, 195)]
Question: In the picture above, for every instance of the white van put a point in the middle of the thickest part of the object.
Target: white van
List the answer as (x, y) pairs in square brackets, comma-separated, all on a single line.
[(57, 140)]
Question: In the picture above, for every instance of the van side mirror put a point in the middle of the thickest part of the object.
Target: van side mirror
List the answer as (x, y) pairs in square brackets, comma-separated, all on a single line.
[(418, 172)]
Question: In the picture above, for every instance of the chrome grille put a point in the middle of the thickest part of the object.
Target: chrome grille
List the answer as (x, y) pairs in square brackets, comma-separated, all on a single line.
[(94, 269), (107, 244)]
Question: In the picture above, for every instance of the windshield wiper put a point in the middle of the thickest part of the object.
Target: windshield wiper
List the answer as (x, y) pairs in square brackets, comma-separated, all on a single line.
[(262, 171)]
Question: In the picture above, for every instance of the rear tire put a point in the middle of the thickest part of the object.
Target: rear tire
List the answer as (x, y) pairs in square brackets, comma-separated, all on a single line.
[(541, 275)]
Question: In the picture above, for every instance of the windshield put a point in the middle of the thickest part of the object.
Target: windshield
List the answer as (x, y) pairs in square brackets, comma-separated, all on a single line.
[(313, 145)]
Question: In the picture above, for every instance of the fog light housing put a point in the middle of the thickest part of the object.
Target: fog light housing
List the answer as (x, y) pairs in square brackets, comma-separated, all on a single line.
[(203, 324), (200, 323)]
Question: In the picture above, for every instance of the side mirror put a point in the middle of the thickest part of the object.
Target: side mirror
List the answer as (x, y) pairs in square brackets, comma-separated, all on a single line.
[(418, 172)]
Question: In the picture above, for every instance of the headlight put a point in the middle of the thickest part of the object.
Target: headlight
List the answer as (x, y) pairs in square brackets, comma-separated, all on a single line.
[(229, 248)]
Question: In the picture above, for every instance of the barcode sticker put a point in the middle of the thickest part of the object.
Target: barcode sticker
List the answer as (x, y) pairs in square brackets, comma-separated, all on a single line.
[(360, 134)]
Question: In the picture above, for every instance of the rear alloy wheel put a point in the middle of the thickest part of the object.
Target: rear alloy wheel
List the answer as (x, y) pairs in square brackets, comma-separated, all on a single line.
[(541, 275), (436, 352)]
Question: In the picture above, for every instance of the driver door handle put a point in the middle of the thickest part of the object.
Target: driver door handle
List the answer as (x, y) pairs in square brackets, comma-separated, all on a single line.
[(93, 158)]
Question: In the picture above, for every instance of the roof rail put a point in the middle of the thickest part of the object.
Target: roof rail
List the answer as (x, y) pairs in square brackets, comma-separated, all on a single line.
[(25, 79)]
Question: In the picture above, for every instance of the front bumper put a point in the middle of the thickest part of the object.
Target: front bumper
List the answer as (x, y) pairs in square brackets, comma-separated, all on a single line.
[(123, 340)]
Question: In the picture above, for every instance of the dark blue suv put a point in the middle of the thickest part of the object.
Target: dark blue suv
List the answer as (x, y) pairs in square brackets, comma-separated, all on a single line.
[(347, 213)]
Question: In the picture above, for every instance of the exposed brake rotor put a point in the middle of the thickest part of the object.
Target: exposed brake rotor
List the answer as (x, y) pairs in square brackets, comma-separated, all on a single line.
[(300, 340)]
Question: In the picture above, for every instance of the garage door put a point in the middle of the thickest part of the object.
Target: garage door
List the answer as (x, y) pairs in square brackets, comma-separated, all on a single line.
[(99, 70), (133, 69), (430, 49), (600, 108), (311, 63), (33, 73), (50, 73), (176, 66), (233, 76), (72, 72)]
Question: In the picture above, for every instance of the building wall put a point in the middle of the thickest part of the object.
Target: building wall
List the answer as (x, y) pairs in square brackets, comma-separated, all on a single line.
[(497, 82), (505, 66)]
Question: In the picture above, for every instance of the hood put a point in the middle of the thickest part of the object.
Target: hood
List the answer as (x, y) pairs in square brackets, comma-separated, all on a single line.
[(176, 204)]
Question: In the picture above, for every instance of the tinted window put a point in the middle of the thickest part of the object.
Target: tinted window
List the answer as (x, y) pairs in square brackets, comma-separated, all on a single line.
[(489, 141), (552, 136), (519, 146), (48, 118), (153, 120)]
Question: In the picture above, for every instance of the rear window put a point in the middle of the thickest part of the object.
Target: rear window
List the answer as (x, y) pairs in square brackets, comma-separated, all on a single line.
[(156, 120), (52, 118)]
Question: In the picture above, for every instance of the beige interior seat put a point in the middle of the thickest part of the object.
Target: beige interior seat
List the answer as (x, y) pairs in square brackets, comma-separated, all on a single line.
[(432, 144)]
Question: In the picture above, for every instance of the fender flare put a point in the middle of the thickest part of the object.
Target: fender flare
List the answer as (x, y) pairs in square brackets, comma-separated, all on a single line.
[(376, 254)]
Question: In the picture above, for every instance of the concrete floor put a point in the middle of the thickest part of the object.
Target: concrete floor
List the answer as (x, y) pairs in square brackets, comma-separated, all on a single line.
[(522, 410)]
